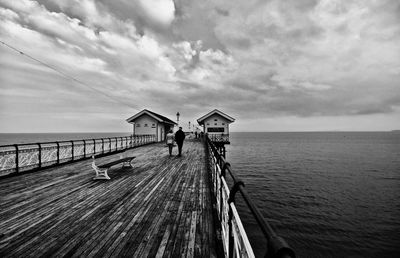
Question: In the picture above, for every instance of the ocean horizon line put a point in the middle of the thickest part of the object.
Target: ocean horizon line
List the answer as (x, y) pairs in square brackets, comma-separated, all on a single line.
[(297, 131)]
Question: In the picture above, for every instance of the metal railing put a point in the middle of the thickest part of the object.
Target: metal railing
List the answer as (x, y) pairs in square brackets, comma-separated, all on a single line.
[(218, 137), (25, 157), (234, 238)]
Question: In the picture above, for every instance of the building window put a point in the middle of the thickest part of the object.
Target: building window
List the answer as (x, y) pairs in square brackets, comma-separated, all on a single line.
[(215, 130), (215, 123), (208, 123), (146, 125), (137, 125), (215, 119), (223, 123), (153, 126)]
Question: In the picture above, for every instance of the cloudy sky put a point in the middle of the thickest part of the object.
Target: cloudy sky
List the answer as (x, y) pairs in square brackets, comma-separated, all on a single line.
[(275, 65)]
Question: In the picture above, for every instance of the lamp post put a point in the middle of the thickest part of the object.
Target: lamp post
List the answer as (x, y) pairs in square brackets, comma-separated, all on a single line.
[(177, 117)]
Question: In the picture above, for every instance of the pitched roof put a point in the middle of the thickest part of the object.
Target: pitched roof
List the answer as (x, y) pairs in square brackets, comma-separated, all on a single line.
[(154, 115), (215, 111)]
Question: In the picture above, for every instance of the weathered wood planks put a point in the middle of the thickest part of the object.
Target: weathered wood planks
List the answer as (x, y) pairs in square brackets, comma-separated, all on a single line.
[(159, 208)]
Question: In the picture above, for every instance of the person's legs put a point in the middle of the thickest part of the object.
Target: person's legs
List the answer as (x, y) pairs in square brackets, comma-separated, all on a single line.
[(180, 148), (170, 149)]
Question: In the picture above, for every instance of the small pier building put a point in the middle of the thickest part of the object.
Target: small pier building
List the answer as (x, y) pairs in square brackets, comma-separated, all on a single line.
[(147, 122), (216, 126)]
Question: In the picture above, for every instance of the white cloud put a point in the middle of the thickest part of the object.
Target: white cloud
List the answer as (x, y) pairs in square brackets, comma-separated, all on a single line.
[(185, 49), (313, 86), (149, 47), (7, 14), (215, 65), (161, 11)]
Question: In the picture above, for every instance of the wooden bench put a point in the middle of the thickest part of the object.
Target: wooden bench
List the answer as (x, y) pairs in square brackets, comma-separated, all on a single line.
[(101, 170)]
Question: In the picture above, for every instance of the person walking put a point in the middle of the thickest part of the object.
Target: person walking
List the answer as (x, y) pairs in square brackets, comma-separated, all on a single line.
[(170, 141), (179, 138)]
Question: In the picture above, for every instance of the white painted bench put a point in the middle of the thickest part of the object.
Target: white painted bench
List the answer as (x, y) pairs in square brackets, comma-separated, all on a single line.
[(101, 170)]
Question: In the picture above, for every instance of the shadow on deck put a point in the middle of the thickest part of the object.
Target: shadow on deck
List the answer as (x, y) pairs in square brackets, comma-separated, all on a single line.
[(159, 208)]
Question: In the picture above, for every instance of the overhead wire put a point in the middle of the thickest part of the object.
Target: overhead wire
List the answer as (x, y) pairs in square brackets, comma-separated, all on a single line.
[(67, 75)]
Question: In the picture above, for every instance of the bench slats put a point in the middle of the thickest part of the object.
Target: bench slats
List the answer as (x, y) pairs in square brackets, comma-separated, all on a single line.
[(101, 170)]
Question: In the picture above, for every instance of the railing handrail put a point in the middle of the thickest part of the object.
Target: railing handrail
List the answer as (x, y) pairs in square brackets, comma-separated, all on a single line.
[(276, 245), (64, 141)]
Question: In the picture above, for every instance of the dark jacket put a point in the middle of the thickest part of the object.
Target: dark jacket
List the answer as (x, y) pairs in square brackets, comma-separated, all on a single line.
[(179, 136)]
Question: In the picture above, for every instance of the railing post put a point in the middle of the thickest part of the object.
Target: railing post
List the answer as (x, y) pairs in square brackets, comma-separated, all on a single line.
[(221, 199), (109, 143), (84, 148), (16, 158), (223, 175), (230, 234), (94, 146), (58, 152), (235, 188), (72, 150), (102, 145), (40, 155), (116, 143)]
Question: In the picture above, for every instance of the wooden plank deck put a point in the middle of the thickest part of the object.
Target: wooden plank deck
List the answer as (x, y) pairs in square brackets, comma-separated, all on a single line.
[(159, 208)]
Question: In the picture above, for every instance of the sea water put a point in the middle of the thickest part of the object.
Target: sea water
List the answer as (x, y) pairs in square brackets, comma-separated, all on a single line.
[(19, 138), (328, 194)]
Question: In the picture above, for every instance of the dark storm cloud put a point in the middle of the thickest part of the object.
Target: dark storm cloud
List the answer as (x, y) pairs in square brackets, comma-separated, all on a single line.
[(222, 11)]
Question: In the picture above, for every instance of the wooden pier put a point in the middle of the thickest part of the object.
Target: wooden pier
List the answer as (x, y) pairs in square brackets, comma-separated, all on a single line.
[(161, 207)]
